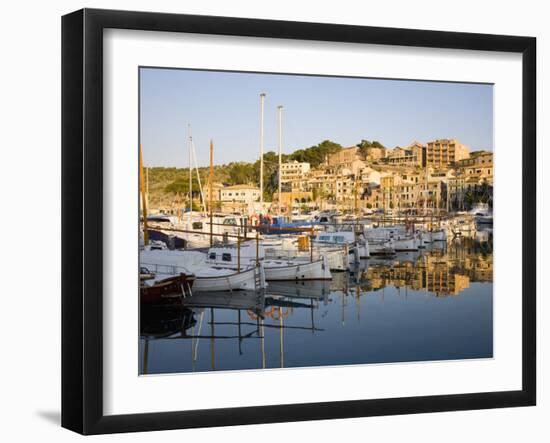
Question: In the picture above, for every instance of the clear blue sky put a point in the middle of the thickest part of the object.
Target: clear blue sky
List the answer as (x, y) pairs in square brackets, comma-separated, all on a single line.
[(224, 106)]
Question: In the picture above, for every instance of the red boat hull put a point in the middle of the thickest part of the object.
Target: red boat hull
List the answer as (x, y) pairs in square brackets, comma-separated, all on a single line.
[(169, 290)]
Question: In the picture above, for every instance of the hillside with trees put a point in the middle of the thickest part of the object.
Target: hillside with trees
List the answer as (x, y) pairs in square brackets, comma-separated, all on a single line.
[(170, 186)]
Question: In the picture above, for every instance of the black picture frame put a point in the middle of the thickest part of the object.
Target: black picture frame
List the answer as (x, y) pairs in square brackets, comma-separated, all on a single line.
[(82, 219)]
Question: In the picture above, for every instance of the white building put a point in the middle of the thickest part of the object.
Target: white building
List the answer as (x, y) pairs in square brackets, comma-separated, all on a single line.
[(294, 171), (370, 177), (246, 194)]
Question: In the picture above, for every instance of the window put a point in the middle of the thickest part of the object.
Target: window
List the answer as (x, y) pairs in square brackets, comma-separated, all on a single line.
[(212, 256), (226, 256)]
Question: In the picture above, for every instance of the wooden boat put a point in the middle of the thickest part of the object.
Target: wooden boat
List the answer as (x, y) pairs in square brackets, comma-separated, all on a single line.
[(217, 279), (292, 270), (208, 276), (356, 243), (167, 290), (145, 274), (274, 269), (399, 236), (289, 248)]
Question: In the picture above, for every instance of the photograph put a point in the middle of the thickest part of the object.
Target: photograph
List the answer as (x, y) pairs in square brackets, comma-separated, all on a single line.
[(293, 221), (275, 220)]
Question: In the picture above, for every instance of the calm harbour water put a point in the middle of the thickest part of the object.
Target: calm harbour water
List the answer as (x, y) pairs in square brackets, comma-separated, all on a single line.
[(436, 304)]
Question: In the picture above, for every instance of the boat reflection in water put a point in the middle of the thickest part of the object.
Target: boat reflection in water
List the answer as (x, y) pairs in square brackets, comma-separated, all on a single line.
[(434, 304)]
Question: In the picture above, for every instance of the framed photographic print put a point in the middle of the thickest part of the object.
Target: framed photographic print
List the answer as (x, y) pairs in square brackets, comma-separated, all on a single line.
[(269, 221)]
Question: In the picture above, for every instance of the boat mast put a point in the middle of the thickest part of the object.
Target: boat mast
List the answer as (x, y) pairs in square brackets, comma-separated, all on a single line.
[(143, 198), (198, 177), (190, 178), (426, 191), (262, 99), (210, 190), (280, 108), (147, 185), (356, 207)]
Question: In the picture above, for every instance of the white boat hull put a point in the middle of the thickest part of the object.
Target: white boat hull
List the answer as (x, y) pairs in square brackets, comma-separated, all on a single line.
[(244, 280), (281, 270), (336, 255), (337, 260)]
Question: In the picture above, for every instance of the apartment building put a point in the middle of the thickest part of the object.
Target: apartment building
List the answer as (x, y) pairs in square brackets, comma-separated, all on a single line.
[(413, 155), (442, 153), (294, 171)]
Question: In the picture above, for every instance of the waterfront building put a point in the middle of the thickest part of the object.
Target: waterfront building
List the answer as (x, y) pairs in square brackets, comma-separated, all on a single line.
[(294, 200), (408, 190), (461, 186), (339, 186), (442, 153), (479, 165), (471, 180)]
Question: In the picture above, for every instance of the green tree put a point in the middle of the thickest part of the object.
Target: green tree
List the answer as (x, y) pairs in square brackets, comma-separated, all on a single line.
[(315, 155), (365, 145), (241, 173), (181, 186)]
